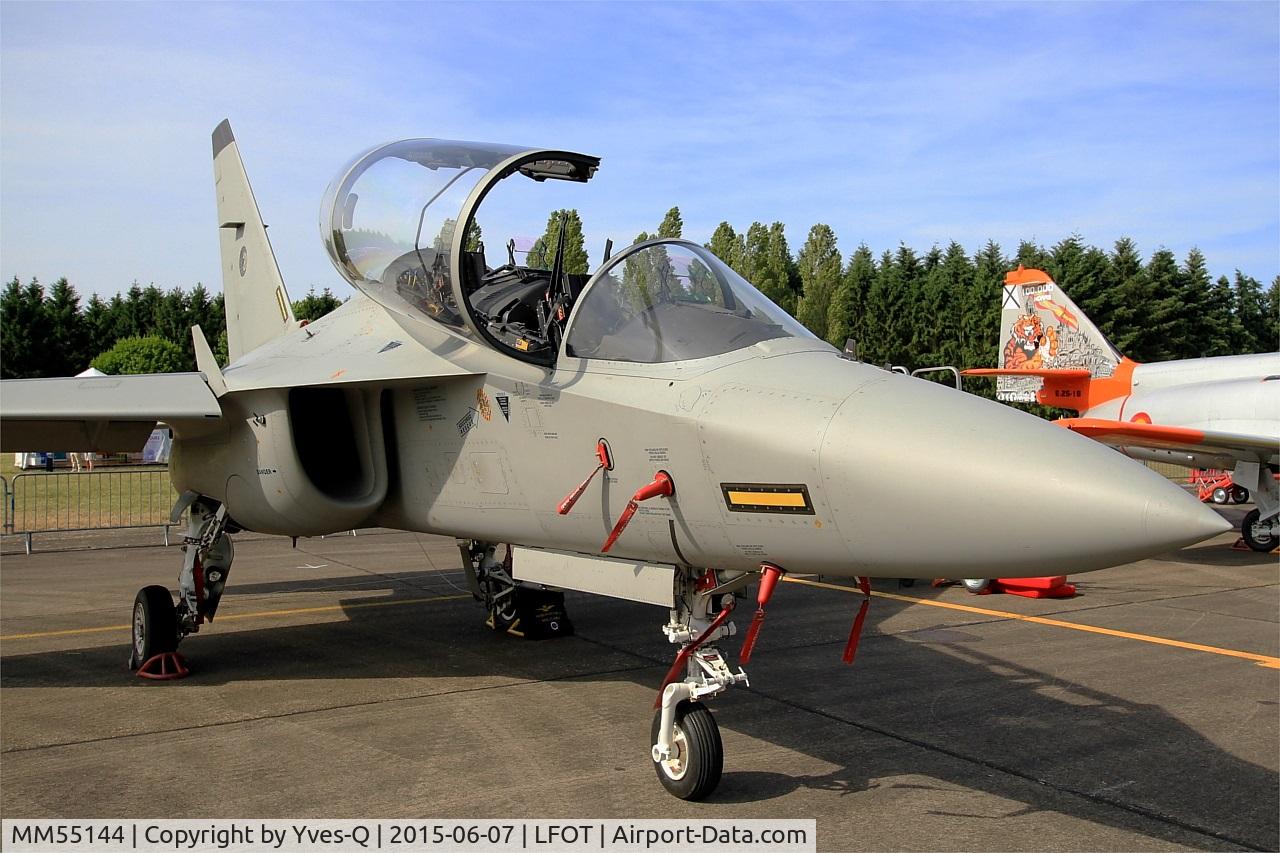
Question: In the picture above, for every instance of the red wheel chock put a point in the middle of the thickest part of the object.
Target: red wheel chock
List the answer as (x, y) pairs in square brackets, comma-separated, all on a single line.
[(1053, 587), (166, 666)]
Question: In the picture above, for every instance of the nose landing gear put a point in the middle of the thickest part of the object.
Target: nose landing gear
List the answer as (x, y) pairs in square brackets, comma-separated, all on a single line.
[(687, 752)]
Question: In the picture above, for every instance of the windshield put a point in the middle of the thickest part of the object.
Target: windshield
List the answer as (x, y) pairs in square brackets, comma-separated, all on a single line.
[(672, 301), (388, 221)]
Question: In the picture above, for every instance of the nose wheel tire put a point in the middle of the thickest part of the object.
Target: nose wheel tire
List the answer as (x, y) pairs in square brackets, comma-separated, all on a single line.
[(155, 625), (1260, 536), (976, 585), (697, 753)]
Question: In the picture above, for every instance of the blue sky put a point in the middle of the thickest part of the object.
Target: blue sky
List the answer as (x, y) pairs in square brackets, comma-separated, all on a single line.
[(890, 122)]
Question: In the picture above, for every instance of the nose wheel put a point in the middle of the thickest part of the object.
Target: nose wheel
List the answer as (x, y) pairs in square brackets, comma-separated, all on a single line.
[(695, 758)]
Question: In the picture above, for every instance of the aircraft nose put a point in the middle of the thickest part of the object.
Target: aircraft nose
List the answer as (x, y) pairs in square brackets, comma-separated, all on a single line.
[(910, 465)]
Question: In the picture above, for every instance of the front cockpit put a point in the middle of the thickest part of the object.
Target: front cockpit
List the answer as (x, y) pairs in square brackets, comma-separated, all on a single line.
[(400, 223)]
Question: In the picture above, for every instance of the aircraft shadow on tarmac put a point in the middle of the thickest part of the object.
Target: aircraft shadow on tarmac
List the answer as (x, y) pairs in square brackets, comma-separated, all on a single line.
[(949, 704)]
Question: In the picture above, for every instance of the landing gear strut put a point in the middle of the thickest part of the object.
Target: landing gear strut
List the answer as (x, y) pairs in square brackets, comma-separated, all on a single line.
[(158, 624), (1261, 526), (687, 752), (519, 609)]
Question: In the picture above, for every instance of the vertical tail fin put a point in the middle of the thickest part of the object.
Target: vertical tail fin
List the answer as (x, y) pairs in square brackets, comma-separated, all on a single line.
[(258, 307), (1041, 328)]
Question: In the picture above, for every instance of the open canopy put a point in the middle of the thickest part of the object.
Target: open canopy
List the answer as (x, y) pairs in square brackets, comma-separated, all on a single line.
[(399, 224), (390, 221)]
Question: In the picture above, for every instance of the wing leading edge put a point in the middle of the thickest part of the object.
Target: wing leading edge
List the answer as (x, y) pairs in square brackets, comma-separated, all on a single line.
[(100, 413), (1239, 446)]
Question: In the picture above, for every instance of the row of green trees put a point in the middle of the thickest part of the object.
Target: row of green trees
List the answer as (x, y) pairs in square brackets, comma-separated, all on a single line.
[(902, 307), (49, 333), (943, 306)]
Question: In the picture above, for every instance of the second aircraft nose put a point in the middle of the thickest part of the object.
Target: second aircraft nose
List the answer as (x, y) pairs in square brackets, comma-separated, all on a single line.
[(1008, 493)]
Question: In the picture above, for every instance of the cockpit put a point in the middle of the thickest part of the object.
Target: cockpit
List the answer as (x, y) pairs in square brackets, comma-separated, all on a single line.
[(400, 224)]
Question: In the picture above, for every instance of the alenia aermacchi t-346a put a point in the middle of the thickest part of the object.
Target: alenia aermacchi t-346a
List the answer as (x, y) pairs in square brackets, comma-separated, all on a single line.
[(1221, 412), (657, 431)]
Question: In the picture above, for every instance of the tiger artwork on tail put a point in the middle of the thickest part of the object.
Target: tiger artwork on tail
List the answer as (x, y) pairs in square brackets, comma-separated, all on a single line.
[(1025, 349)]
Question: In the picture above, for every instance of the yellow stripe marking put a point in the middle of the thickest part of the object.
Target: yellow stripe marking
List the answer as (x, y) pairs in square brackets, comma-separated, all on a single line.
[(1261, 660), (262, 614), (766, 498)]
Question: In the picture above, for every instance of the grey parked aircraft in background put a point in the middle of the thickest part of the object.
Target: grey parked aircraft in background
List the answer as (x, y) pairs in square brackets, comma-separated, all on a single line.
[(657, 431)]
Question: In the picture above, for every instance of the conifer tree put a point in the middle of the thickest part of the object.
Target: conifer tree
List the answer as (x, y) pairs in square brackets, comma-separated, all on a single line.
[(1081, 271), (729, 247), (980, 313), (1033, 256), (1159, 341), (819, 265), (769, 261), (1128, 280), (880, 316), (1195, 297), (1226, 335), (575, 251), (314, 305), (1272, 318), (946, 287), (1251, 309), (755, 258), (65, 348), (97, 325), (930, 295), (845, 316), (672, 225)]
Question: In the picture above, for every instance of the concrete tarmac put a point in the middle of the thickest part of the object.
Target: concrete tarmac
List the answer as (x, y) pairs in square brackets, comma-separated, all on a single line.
[(353, 677)]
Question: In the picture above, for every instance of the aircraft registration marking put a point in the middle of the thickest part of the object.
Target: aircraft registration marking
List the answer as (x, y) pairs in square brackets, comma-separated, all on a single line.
[(767, 497), (1261, 660)]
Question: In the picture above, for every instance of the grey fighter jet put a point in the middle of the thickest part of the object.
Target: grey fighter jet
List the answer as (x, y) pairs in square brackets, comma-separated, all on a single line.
[(657, 431)]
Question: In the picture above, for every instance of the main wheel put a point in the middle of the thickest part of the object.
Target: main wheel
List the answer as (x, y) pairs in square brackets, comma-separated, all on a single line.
[(155, 625), (1239, 494), (697, 753), (1259, 535), (976, 585), (1220, 495)]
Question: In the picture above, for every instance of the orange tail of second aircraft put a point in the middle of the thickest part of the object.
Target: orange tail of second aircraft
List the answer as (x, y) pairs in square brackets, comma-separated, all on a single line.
[(1050, 351)]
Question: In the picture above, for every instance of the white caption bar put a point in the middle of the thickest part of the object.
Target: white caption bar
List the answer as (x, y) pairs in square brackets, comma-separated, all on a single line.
[(467, 836)]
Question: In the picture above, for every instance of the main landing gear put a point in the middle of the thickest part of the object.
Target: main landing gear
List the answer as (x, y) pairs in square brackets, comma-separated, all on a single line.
[(1261, 526), (158, 624), (518, 609)]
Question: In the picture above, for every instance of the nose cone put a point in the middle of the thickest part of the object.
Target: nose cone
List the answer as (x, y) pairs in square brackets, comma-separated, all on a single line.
[(926, 481)]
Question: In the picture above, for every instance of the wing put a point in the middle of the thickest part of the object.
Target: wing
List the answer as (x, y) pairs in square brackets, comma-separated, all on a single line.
[(101, 413), (1240, 446)]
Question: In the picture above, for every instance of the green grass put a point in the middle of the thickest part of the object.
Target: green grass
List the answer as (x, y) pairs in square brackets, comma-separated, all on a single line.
[(109, 496)]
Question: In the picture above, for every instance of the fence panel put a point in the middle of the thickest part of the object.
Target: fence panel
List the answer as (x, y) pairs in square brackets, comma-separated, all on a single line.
[(89, 500)]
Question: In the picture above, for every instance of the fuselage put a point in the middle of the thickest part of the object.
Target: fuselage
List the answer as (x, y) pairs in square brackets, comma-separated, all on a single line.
[(1232, 394), (781, 451)]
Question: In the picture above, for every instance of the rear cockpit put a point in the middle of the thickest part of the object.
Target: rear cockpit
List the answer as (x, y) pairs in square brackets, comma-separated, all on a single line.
[(400, 223), (391, 224)]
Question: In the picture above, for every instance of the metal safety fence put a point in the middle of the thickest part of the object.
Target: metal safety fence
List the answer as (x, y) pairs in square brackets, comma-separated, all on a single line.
[(87, 500)]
